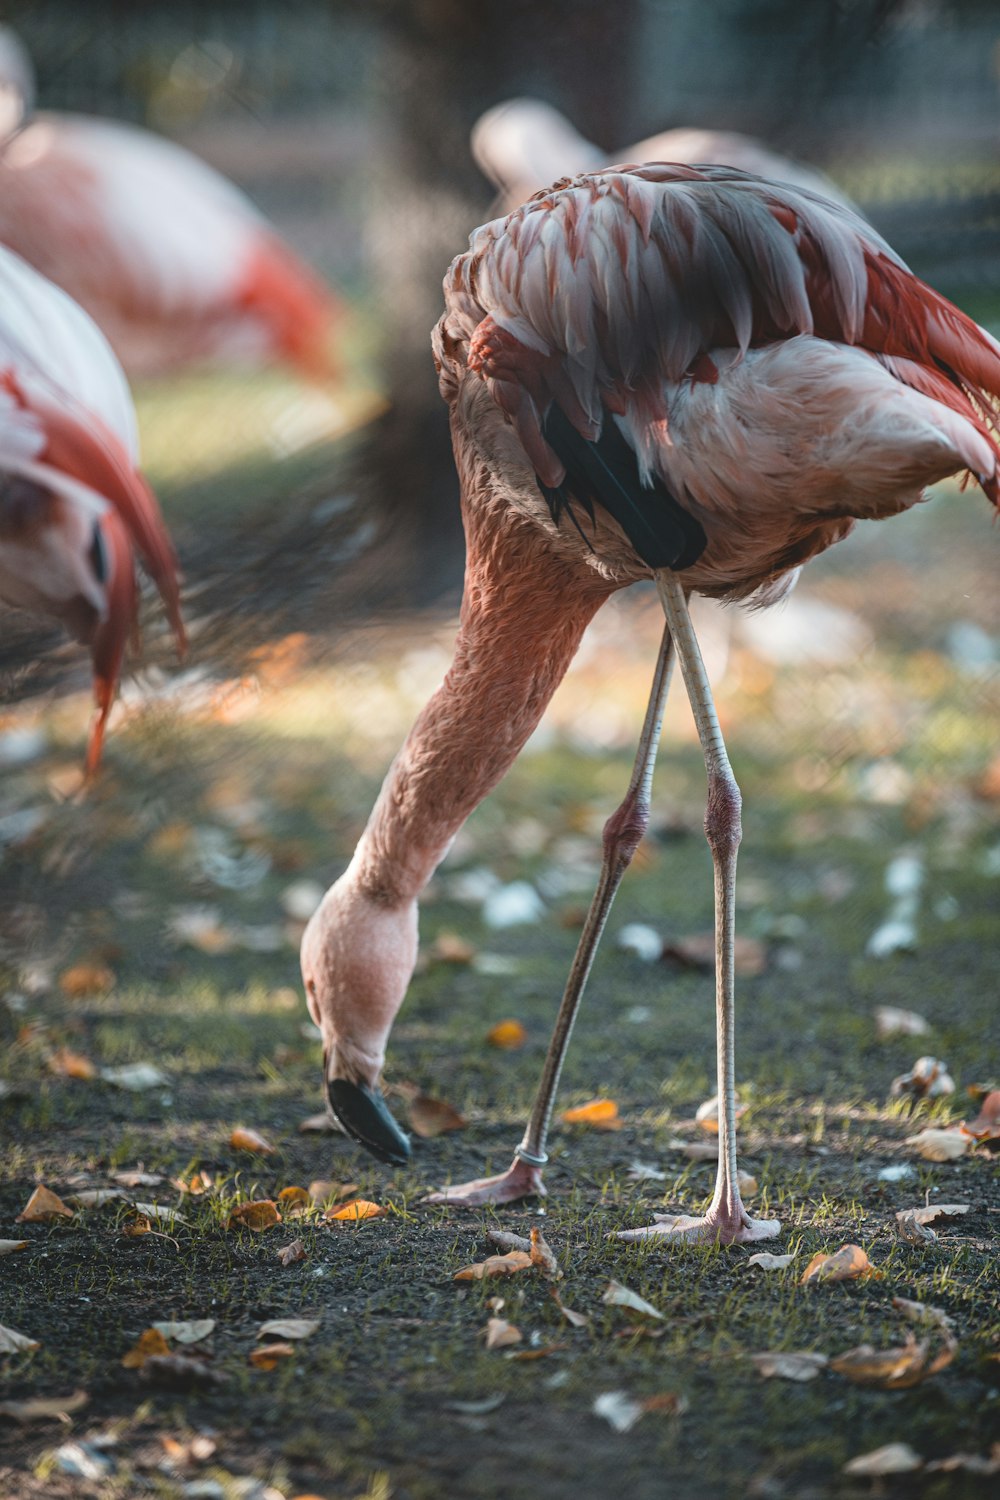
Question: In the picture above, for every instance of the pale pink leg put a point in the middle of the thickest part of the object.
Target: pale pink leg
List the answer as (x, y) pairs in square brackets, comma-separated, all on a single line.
[(726, 1221), (622, 835)]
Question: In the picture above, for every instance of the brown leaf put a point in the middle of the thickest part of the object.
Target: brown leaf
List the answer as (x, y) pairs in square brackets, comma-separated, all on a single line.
[(600, 1114), (892, 1369), (268, 1355), (135, 1224), (250, 1140), (86, 979), (197, 1184), (573, 1318), (496, 1265), (894, 1458), (931, 1213), (258, 1215), (67, 1064), (43, 1207), (149, 1343), (927, 1079), (911, 1230), (542, 1256), (696, 1150), (357, 1209), (322, 1190), (698, 952), (500, 1334), (449, 948), (180, 1372), (986, 1125), (849, 1263), (542, 1352), (293, 1202), (43, 1408), (941, 1145), (924, 1312), (507, 1034), (804, 1364), (12, 1342), (288, 1254), (430, 1117)]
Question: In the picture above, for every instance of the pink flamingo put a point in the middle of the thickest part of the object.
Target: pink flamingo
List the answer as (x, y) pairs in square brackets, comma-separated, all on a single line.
[(683, 373), (172, 262), (524, 144), (74, 508)]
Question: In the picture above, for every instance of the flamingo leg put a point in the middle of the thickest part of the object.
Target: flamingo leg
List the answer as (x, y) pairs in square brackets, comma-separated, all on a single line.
[(622, 835), (726, 1221)]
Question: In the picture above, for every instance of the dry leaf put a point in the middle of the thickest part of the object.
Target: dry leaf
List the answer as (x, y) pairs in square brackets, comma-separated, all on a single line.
[(894, 1458), (707, 1114), (911, 1230), (449, 948), (43, 1207), (923, 1312), (135, 1224), (291, 1253), (321, 1124), (261, 1214), (542, 1256), (289, 1328), (932, 1212), (849, 1263), (508, 1034), (293, 1202), (135, 1077), (43, 1408), (941, 1145), (430, 1117), (971, 1463), (357, 1209), (542, 1352), (804, 1364), (496, 1265), (67, 1064), (86, 979), (927, 1079), (250, 1140), (149, 1343), (7, 1247), (191, 1332), (891, 1021), (508, 1241), (696, 1150), (892, 1369), (986, 1125), (600, 1114), (12, 1342), (196, 1184), (500, 1334), (698, 952), (573, 1318), (322, 1190), (95, 1197), (268, 1355), (180, 1372), (769, 1262), (618, 1409), (620, 1296)]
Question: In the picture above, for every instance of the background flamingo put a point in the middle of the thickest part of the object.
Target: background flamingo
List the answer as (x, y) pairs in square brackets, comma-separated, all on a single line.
[(683, 373), (522, 145), (172, 261), (74, 508)]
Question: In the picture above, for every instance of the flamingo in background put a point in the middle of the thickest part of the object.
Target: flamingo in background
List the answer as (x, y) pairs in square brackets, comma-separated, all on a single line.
[(74, 508), (524, 144), (680, 373), (172, 261)]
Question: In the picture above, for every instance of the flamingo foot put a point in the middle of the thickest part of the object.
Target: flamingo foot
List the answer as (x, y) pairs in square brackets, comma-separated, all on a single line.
[(519, 1181), (718, 1226)]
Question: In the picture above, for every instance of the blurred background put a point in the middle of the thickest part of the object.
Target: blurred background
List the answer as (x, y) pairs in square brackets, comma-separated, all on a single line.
[(316, 519)]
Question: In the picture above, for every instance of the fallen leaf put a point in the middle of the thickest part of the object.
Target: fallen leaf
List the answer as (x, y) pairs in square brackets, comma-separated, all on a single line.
[(159, 1211), (12, 1342), (894, 1458), (698, 952), (258, 1215), (542, 1256), (180, 1372), (849, 1263), (971, 1463), (890, 1020), (941, 1145), (707, 1114), (620, 1296), (191, 1332), (600, 1114), (496, 1265), (927, 1079), (924, 1312), (250, 1140), (149, 1343), (321, 1124), (986, 1125), (911, 1230), (618, 1409), (542, 1352), (643, 1171), (43, 1207), (67, 1064), (430, 1117), (322, 1190), (135, 1077), (892, 1369), (7, 1247), (573, 1318), (289, 1328), (469, 1409), (932, 1212), (44, 1408), (357, 1209), (449, 948), (197, 1184), (293, 1202), (500, 1334), (133, 1179), (696, 1150), (803, 1364), (747, 1184), (135, 1224), (268, 1355), (291, 1253), (769, 1262), (508, 1241), (86, 979), (507, 1034)]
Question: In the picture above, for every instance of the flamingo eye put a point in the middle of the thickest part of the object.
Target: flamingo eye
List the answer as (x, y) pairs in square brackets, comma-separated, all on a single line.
[(98, 556)]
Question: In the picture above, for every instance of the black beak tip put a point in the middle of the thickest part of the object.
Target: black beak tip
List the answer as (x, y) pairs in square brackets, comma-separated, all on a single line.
[(365, 1116)]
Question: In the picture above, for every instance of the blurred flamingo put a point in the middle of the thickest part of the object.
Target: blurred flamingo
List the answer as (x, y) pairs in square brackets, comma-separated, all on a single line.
[(172, 261), (524, 144), (679, 373), (74, 508)]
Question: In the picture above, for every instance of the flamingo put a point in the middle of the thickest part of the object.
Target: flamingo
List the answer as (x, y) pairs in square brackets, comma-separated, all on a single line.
[(74, 508), (172, 261), (523, 144), (680, 373)]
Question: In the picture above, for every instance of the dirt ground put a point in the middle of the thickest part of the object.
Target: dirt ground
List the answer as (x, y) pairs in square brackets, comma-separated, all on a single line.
[(156, 922)]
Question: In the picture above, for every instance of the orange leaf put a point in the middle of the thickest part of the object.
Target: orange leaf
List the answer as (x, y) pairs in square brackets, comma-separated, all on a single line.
[(707, 1114), (249, 1140), (449, 948), (542, 1256), (850, 1263), (86, 979), (134, 1224), (986, 1125), (196, 1184), (508, 1034), (602, 1114), (69, 1064), (358, 1208), (260, 1214), (430, 1117), (496, 1265), (149, 1343), (293, 1202), (291, 1253), (268, 1355), (43, 1207), (892, 1369)]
